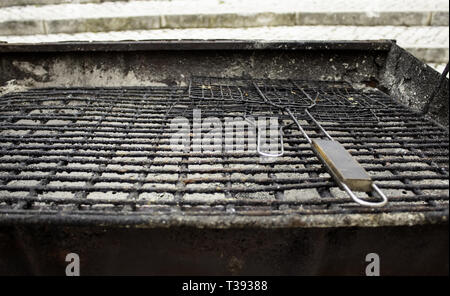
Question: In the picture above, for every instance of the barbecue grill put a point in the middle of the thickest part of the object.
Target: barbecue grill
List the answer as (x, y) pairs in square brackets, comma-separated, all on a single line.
[(88, 166)]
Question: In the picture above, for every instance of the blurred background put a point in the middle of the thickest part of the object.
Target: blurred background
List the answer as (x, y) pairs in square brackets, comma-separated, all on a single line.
[(420, 26)]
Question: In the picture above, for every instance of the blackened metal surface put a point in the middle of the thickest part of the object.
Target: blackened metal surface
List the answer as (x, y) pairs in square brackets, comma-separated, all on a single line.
[(160, 64), (414, 83), (219, 44), (41, 250), (102, 156)]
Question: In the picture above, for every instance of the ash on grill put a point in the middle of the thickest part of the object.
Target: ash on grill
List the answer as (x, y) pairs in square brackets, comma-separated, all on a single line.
[(107, 150)]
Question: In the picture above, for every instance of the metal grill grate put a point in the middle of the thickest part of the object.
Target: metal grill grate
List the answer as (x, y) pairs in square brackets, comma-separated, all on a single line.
[(86, 152)]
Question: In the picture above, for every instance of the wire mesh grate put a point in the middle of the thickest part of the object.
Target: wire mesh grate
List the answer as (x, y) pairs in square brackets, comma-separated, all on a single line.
[(86, 151), (332, 102)]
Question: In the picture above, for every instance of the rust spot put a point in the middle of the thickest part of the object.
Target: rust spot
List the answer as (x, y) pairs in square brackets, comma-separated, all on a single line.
[(188, 181)]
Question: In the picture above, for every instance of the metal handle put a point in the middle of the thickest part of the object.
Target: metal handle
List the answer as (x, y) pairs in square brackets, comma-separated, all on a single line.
[(366, 203), (342, 184), (258, 145)]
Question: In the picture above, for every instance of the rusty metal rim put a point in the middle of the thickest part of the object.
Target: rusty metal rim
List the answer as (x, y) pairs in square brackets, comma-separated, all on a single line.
[(186, 44), (231, 220)]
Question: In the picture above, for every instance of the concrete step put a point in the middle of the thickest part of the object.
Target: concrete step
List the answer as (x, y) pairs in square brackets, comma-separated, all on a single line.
[(9, 3), (145, 15), (430, 44)]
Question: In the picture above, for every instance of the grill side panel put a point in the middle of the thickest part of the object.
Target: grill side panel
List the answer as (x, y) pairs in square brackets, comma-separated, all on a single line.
[(416, 250), (413, 83), (103, 68)]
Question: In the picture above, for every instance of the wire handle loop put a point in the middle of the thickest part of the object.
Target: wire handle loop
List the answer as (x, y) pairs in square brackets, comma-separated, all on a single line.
[(382, 203), (258, 146)]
